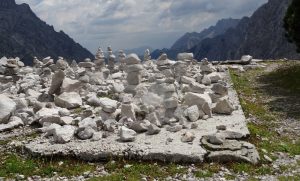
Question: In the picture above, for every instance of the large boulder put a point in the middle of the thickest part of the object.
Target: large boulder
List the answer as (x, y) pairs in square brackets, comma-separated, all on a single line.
[(191, 99), (7, 107), (68, 100)]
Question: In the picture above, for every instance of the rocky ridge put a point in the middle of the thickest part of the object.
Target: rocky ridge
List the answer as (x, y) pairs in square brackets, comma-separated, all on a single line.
[(24, 35)]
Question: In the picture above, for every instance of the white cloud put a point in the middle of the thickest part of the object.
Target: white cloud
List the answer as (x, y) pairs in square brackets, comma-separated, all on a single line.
[(134, 23)]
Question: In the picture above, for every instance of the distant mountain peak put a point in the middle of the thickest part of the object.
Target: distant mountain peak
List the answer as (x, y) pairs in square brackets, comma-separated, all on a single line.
[(5, 4), (189, 40), (25, 35), (261, 35)]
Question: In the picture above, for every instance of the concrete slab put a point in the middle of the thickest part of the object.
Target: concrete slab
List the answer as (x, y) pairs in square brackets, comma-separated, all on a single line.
[(145, 147)]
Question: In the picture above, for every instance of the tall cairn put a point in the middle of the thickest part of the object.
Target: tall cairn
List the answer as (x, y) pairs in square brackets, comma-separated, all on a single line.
[(147, 56), (164, 65), (99, 60), (122, 60), (111, 59), (133, 69)]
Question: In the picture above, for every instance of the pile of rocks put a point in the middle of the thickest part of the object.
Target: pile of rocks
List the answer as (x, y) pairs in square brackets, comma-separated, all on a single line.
[(90, 102)]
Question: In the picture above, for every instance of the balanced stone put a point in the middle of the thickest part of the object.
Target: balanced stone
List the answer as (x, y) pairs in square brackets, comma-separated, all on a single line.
[(111, 59), (99, 60)]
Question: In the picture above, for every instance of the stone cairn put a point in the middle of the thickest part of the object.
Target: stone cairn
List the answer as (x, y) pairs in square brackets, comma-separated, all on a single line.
[(111, 58), (99, 60), (147, 56), (133, 69), (121, 60), (164, 65), (86, 101)]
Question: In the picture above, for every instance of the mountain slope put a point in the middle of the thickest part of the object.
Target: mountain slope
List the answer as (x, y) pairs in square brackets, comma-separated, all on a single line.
[(24, 35), (189, 40), (262, 36)]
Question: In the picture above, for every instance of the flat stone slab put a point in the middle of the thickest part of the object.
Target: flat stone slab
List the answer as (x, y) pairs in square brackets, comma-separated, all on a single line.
[(145, 147)]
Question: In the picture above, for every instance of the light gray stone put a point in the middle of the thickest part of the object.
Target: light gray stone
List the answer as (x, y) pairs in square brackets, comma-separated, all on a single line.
[(85, 133), (127, 110), (64, 134), (191, 99), (14, 122), (140, 126), (185, 56), (214, 77), (57, 80), (171, 103), (88, 122), (153, 129), (223, 107), (126, 134), (192, 113), (7, 107), (206, 80), (174, 128), (188, 137), (220, 89), (69, 100), (108, 105), (132, 59)]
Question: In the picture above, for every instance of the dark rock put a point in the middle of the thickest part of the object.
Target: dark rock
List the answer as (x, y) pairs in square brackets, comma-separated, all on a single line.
[(24, 35)]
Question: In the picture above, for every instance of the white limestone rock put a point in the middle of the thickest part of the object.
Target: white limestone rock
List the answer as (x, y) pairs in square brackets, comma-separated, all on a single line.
[(127, 110), (214, 77), (206, 80), (185, 56), (126, 134), (66, 120), (188, 137), (14, 122), (171, 103), (70, 85), (223, 107), (88, 122), (51, 119), (187, 80), (246, 59), (193, 113), (69, 100), (94, 101), (108, 105), (220, 89), (7, 107), (197, 88), (132, 59), (140, 126), (191, 99), (64, 134), (154, 119), (85, 133), (44, 112), (153, 129)]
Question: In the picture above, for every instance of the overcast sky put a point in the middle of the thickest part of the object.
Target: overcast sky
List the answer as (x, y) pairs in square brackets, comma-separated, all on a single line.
[(126, 24)]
